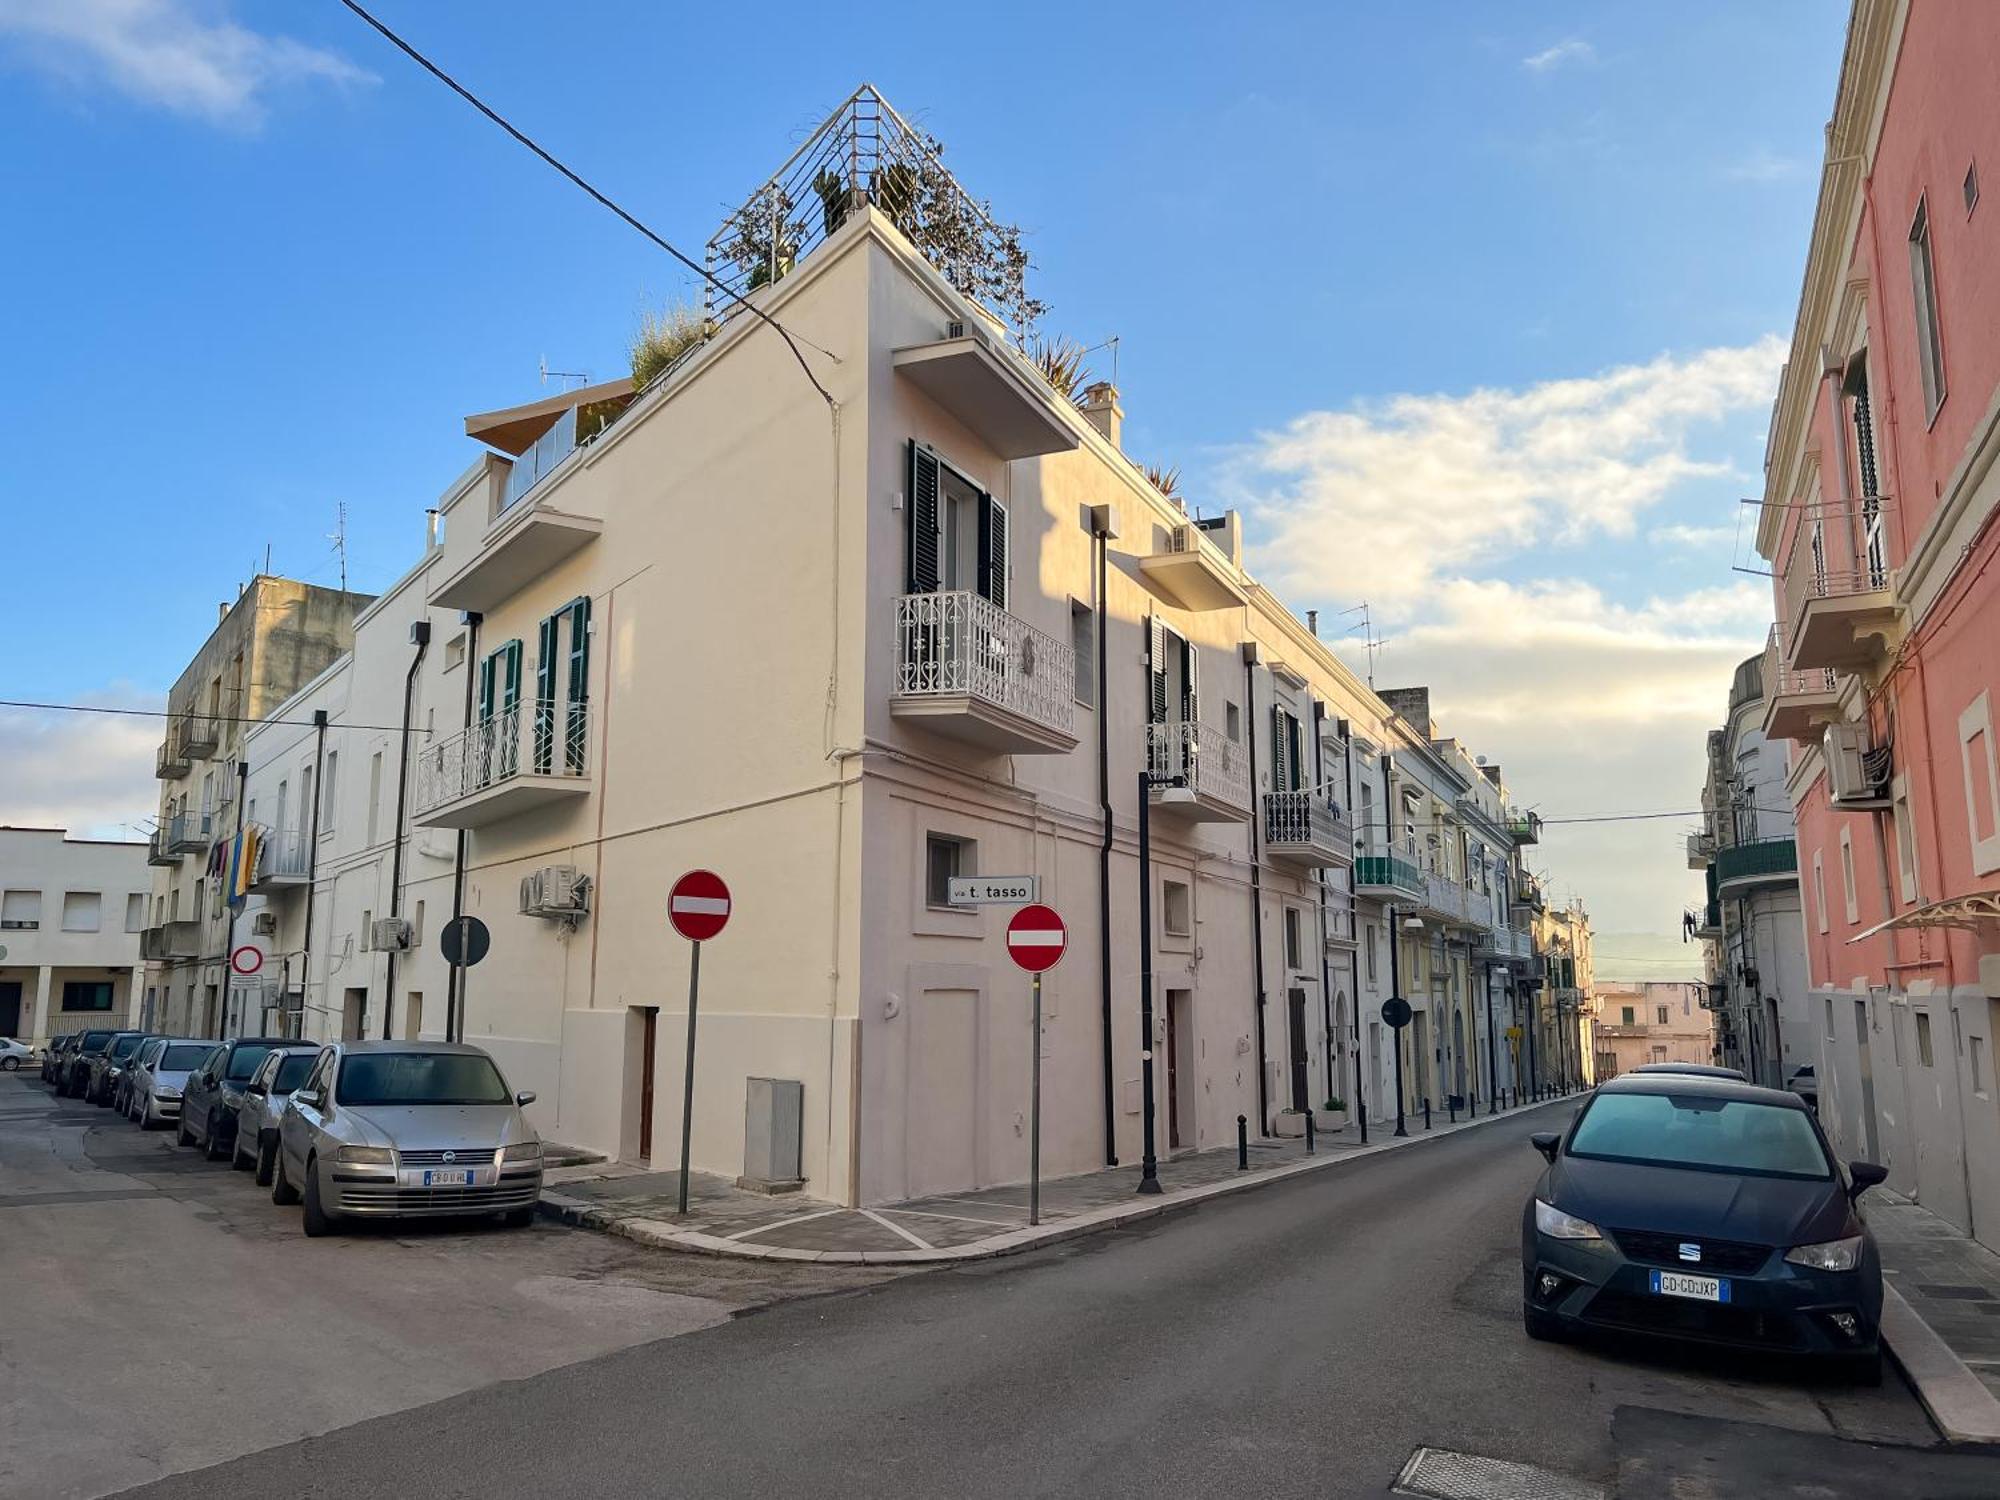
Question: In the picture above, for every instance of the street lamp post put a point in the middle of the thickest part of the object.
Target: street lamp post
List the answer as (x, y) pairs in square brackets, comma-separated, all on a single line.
[(1149, 1162)]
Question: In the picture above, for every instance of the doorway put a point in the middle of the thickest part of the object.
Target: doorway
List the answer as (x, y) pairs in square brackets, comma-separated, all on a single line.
[(10, 1007), (1458, 1052), (413, 1015), (944, 1093), (353, 1011), (208, 1002), (1418, 1031), (1295, 1002), (1180, 1058), (649, 1048), (1867, 1062)]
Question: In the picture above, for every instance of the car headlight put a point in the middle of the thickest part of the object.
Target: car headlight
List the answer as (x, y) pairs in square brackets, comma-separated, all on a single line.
[(1557, 1225), (519, 1152), (366, 1156), (1828, 1255)]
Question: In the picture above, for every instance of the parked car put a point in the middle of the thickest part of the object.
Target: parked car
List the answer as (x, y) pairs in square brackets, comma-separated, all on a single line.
[(1805, 1083), (1700, 1070), (157, 1081), (398, 1129), (214, 1090), (54, 1055), (109, 1066), (74, 1071), (121, 1096), (1702, 1209), (264, 1096), (13, 1054)]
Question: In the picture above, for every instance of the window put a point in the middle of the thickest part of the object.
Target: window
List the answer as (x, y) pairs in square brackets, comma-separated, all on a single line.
[(1828, 1004), (1629, 1016), (1662, 1016), (1659, 1054), (374, 792), (1906, 836), (417, 933), (306, 798), (81, 911), (1232, 719), (454, 651), (1819, 889), (367, 926), (1083, 641), (1923, 284), (1295, 953), (1176, 908), (1702, 1132), (1867, 476), (328, 789), (957, 533), (1978, 1065), (21, 911), (1924, 1055), (135, 911), (417, 1078), (1850, 903), (1374, 933), (1982, 783), (944, 859), (86, 994)]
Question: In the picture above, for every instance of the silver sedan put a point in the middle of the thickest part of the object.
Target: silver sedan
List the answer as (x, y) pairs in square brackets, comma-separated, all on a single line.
[(399, 1129), (282, 1070), (154, 1097)]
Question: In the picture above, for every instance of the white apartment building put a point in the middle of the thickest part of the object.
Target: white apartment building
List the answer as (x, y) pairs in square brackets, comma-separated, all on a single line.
[(71, 911), (840, 639)]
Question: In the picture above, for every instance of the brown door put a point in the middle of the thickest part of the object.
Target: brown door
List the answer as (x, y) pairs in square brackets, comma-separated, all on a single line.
[(1296, 1000), (1173, 1073), (646, 1086)]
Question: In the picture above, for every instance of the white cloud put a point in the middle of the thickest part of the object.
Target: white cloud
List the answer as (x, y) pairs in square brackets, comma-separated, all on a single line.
[(183, 55), (89, 773), (1569, 50), (1378, 501), (1694, 538), (1762, 165)]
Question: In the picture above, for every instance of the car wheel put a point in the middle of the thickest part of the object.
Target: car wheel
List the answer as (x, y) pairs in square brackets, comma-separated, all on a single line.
[(182, 1136), (518, 1218), (267, 1158), (1541, 1324), (212, 1142), (238, 1162), (282, 1192), (316, 1219), (9, 1064)]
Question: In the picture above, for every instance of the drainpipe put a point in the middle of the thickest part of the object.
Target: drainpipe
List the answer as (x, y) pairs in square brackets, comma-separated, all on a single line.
[(1395, 941), (1101, 534), (312, 858), (1353, 931), (454, 981), (1325, 966), (229, 898), (1256, 889), (420, 637)]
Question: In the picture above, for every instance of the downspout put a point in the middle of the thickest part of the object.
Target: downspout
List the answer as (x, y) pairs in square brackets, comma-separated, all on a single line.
[(420, 636), (1101, 534), (229, 930), (1256, 891), (1325, 965), (1389, 920), (454, 997), (1354, 933), (312, 859)]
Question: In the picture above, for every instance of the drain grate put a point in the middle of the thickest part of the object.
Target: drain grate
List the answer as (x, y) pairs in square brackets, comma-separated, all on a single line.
[(1440, 1474)]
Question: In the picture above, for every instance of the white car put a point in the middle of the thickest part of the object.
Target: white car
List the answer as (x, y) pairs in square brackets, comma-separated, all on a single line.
[(13, 1054)]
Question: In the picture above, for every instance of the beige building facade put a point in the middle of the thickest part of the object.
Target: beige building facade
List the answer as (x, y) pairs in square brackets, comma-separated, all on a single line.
[(1655, 1022), (71, 911)]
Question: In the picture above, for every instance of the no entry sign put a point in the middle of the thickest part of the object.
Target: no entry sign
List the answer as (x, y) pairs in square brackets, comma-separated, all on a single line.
[(698, 905), (246, 960), (1036, 938)]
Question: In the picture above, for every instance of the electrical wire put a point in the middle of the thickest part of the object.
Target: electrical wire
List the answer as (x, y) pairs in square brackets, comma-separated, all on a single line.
[(161, 713), (632, 219)]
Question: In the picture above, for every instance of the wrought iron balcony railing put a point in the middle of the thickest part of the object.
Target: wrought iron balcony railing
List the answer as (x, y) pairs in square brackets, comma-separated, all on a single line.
[(1202, 758), (957, 647), (542, 737), (1308, 825)]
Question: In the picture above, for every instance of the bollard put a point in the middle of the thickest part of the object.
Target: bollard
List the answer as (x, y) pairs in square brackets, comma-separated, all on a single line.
[(1309, 1132), (1242, 1144), (1427, 1114), (1451, 1107)]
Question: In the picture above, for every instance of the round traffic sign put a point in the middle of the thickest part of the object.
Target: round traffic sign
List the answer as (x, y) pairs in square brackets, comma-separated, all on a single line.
[(464, 941), (698, 905), (246, 959), (1036, 938), (1396, 1011)]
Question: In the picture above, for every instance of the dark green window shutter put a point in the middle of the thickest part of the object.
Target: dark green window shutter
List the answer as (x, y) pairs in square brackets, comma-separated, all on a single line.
[(510, 689), (576, 724), (993, 550), (922, 573), (486, 689), (1156, 670), (1190, 690), (1281, 750), (545, 695)]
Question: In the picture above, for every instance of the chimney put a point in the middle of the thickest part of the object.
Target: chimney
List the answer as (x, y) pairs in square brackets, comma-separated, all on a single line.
[(1312, 622), (430, 529), (1102, 411)]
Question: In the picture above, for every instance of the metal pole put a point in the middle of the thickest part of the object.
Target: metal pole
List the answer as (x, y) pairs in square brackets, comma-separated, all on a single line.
[(1149, 1164), (1035, 1113), (687, 1088)]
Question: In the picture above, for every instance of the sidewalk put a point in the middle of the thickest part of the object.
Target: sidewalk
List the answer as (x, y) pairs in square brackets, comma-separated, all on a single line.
[(724, 1220), (1940, 1314)]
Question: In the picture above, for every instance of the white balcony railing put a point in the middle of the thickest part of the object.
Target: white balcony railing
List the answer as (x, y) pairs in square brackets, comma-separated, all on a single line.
[(1781, 680), (282, 857), (958, 645), (543, 737), (1310, 823), (1204, 759)]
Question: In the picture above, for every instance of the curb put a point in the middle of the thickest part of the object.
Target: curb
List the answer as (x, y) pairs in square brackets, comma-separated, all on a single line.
[(662, 1234), (1960, 1406)]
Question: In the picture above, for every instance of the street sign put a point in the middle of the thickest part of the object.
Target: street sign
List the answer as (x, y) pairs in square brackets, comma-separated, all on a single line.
[(698, 905), (1036, 938), (1396, 1011), (464, 941), (246, 960), (994, 890)]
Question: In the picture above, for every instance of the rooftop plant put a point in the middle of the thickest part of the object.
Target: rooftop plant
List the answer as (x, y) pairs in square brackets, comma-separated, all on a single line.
[(663, 337)]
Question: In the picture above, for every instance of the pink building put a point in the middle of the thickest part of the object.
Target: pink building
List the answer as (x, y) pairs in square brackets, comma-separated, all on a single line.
[(1884, 663)]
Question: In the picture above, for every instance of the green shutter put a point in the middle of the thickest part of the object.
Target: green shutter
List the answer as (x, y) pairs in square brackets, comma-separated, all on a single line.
[(575, 719), (545, 695), (993, 550), (922, 570), (1156, 670)]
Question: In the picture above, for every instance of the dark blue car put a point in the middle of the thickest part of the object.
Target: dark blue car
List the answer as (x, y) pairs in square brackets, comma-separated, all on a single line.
[(1700, 1208)]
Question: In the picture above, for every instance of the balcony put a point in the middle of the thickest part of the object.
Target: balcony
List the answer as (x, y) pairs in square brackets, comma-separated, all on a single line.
[(1340, 926), (1193, 572), (1307, 828), (1504, 945), (159, 848), (967, 669), (170, 940), (1842, 619), (190, 833), (1742, 867), (200, 734), (1210, 772), (283, 862), (1529, 894), (1797, 705), (992, 391), (1707, 920), (1390, 877), (1526, 827), (527, 757), (171, 762), (1701, 850)]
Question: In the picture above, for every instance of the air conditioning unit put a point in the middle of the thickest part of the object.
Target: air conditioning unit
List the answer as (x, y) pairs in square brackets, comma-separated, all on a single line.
[(390, 935), (1857, 774), (264, 924), (555, 891)]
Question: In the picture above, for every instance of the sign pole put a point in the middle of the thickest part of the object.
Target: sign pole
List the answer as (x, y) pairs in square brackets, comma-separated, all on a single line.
[(687, 1089), (1035, 1113)]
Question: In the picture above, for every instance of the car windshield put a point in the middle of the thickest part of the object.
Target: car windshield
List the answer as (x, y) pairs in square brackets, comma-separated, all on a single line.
[(420, 1078), (94, 1041), (124, 1047), (292, 1072), (1701, 1131), (243, 1061), (182, 1057)]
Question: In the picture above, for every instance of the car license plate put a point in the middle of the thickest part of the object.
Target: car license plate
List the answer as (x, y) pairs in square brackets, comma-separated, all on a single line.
[(1680, 1284), (448, 1177)]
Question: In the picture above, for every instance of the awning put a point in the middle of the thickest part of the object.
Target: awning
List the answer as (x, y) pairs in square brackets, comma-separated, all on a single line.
[(515, 428), (1971, 913)]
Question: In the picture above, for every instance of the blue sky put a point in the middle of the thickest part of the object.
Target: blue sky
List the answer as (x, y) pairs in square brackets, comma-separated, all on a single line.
[(261, 266)]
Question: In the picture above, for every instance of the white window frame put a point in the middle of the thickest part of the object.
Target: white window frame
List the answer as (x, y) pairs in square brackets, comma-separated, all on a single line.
[(89, 904), (1849, 900), (1906, 836), (1930, 329), (1977, 720), (1819, 887)]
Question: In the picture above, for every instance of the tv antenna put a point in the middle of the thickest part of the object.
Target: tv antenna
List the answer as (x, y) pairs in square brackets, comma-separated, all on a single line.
[(1366, 626), (582, 377), (338, 536)]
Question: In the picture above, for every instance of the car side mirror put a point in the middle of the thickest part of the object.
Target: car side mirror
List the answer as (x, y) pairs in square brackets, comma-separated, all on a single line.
[(306, 1096), (1863, 1175), (525, 1098), (1546, 1142)]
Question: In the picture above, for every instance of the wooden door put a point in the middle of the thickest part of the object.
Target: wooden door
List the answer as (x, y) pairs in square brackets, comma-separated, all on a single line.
[(647, 1062)]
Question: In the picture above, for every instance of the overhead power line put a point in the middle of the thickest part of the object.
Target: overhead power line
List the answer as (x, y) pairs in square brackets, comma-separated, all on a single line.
[(161, 713), (577, 178)]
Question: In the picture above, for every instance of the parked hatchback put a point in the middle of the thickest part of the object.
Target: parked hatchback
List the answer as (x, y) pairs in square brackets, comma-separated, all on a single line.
[(108, 1067), (121, 1094), (73, 1072), (282, 1070), (396, 1129), (1703, 1209), (157, 1082), (213, 1091), (55, 1055)]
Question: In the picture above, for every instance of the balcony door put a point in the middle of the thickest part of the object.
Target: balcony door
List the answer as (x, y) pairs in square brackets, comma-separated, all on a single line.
[(958, 533)]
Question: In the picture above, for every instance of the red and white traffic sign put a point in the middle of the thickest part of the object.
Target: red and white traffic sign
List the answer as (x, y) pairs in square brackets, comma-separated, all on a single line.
[(246, 959), (698, 905), (1036, 938)]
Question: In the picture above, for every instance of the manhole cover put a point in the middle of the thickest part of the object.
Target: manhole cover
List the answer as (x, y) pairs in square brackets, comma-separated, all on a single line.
[(1440, 1474)]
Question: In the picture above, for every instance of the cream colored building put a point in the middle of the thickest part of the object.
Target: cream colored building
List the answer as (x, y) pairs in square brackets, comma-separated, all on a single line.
[(840, 639), (70, 915), (1654, 1022)]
